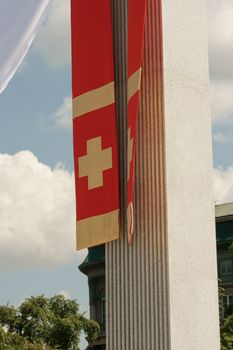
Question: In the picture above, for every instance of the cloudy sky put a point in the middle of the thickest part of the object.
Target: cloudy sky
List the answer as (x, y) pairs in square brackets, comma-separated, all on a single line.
[(37, 207), (37, 210), (220, 18)]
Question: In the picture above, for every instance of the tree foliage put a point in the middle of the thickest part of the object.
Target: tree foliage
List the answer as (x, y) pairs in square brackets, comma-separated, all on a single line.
[(226, 325), (44, 323), (226, 331)]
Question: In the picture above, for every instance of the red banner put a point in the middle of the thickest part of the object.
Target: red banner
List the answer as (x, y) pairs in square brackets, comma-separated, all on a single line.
[(94, 123), (136, 24)]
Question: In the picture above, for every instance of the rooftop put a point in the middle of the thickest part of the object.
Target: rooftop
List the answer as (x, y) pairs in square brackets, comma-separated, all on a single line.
[(95, 256), (223, 210)]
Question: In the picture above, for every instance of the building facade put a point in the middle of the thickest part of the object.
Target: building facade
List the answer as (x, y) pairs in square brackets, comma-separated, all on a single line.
[(94, 267), (224, 237)]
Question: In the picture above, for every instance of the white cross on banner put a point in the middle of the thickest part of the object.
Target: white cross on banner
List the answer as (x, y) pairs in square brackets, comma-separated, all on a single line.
[(19, 24), (95, 162)]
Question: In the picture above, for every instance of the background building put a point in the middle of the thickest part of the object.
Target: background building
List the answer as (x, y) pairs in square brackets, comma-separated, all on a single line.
[(224, 233), (94, 267)]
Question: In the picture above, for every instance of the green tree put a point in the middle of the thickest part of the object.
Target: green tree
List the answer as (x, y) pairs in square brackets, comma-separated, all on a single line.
[(44, 323), (226, 325), (226, 332)]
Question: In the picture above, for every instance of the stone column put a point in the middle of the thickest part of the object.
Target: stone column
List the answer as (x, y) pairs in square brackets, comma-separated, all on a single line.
[(162, 290)]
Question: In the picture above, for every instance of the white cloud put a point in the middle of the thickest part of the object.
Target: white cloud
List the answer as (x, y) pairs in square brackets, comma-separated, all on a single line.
[(53, 43), (223, 185), (221, 137), (220, 14), (222, 101), (63, 115), (37, 212)]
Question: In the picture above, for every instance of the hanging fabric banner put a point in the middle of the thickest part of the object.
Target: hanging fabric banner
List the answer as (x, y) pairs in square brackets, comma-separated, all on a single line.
[(94, 123), (136, 24), (20, 22)]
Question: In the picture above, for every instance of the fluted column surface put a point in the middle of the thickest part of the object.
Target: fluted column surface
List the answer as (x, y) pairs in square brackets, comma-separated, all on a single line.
[(137, 275)]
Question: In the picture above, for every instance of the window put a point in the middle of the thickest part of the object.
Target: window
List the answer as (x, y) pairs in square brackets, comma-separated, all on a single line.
[(226, 267), (226, 301)]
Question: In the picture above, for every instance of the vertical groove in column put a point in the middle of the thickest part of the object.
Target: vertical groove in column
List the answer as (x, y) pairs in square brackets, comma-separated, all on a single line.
[(137, 276), (119, 261)]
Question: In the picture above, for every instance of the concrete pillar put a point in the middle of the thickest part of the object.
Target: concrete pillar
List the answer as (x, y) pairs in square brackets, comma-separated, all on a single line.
[(162, 290)]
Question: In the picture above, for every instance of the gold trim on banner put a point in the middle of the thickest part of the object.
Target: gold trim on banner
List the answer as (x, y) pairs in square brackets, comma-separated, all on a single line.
[(94, 99), (130, 222), (97, 230), (134, 83), (129, 153)]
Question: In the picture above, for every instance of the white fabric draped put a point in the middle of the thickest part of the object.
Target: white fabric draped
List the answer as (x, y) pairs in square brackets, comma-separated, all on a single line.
[(19, 23)]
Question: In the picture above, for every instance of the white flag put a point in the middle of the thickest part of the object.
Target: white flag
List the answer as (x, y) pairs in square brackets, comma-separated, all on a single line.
[(19, 23)]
